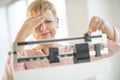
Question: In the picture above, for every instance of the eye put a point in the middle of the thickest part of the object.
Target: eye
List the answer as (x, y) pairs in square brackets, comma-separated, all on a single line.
[(48, 21)]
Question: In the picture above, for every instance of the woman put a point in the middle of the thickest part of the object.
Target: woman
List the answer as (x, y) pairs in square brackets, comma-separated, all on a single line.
[(42, 22)]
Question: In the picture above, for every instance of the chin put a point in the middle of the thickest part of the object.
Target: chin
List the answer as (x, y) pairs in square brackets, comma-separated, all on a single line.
[(45, 38)]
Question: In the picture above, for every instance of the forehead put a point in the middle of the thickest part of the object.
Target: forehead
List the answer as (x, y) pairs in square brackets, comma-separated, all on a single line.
[(47, 14)]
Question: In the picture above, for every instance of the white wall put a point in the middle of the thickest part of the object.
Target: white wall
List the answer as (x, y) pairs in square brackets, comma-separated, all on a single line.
[(77, 15), (107, 9), (4, 39)]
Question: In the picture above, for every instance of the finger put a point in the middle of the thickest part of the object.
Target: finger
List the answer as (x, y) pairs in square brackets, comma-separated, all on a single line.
[(102, 25), (36, 21), (101, 28), (97, 24), (91, 26), (38, 18), (34, 18)]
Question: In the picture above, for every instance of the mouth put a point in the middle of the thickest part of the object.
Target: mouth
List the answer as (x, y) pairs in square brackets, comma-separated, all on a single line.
[(45, 34)]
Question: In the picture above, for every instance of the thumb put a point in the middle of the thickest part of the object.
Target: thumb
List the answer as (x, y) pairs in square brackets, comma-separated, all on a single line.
[(89, 31)]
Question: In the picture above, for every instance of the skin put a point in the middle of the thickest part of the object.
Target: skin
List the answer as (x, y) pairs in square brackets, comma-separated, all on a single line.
[(41, 25), (97, 23)]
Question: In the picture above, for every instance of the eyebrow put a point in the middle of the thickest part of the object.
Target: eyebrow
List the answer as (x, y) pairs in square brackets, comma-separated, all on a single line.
[(49, 18)]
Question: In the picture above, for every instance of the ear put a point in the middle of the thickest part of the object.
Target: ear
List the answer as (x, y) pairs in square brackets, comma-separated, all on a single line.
[(57, 20)]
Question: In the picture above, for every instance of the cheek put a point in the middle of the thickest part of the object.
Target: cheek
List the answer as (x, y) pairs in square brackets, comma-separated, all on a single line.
[(53, 32), (35, 35), (53, 28)]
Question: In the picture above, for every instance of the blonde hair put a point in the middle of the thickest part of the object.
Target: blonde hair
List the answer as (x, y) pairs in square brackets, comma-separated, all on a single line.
[(41, 5)]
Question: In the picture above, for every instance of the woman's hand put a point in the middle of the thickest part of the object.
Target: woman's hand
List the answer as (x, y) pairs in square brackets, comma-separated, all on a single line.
[(97, 23), (28, 27)]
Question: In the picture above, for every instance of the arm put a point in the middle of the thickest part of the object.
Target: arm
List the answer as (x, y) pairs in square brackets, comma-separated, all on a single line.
[(27, 28), (112, 33), (8, 72), (97, 23), (114, 46)]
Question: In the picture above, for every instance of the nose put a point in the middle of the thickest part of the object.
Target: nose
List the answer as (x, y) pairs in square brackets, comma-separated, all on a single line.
[(43, 26)]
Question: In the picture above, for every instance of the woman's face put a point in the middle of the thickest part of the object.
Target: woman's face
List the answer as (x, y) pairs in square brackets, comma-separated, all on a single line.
[(47, 29)]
